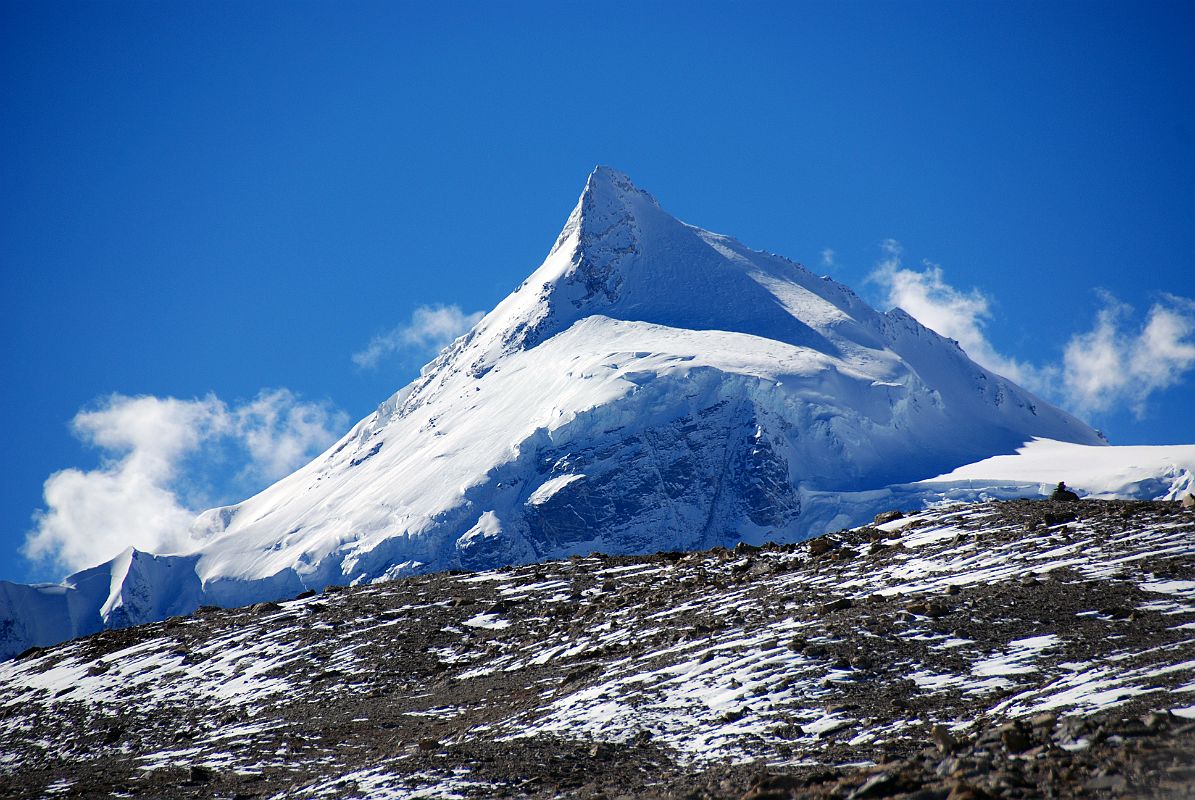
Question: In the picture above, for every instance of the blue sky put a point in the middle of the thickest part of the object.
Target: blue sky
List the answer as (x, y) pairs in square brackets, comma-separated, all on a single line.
[(207, 209)]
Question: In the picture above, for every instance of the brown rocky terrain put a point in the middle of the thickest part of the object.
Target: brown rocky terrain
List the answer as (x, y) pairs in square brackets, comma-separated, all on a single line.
[(1007, 649)]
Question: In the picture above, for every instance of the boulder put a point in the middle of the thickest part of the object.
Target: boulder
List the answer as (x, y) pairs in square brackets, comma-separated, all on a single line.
[(1063, 495)]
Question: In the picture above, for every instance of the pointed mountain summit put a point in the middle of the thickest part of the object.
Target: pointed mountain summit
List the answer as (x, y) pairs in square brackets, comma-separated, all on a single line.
[(621, 256), (651, 386)]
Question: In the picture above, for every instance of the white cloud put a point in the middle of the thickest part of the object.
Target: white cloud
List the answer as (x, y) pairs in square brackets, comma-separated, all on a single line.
[(1114, 365), (1118, 364), (148, 486), (942, 308), (429, 330), (828, 258), (281, 433)]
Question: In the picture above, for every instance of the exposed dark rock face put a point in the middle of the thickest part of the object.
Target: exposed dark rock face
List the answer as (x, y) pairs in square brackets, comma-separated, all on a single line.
[(1018, 649)]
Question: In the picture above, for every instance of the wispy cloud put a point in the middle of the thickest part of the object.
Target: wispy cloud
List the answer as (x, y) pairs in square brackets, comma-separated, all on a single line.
[(1117, 364), (149, 484), (429, 329), (955, 314), (281, 433), (828, 258)]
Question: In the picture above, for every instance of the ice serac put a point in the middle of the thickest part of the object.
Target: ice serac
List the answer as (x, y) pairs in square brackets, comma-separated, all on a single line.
[(651, 386), (131, 589)]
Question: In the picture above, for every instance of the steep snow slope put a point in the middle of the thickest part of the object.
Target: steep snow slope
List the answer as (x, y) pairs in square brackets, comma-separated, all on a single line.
[(652, 386)]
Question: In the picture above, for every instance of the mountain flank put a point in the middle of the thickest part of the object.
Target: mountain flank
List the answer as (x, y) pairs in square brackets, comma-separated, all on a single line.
[(1006, 649)]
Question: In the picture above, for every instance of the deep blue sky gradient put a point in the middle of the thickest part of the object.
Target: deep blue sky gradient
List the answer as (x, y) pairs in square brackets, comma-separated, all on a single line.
[(221, 197)]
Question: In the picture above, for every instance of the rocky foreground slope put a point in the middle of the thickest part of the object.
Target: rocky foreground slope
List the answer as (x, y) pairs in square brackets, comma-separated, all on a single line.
[(1008, 649)]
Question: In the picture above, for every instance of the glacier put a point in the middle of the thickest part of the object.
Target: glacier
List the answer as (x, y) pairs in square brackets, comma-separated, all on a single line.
[(651, 386)]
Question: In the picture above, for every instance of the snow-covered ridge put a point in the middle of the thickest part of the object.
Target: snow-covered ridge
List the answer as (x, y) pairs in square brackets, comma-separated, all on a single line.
[(651, 386)]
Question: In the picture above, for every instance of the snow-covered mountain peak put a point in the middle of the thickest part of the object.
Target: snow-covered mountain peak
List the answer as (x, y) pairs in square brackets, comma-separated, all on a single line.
[(620, 255), (605, 211), (651, 386), (607, 187)]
